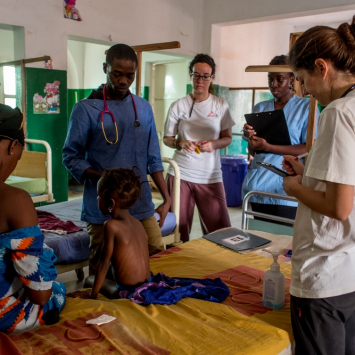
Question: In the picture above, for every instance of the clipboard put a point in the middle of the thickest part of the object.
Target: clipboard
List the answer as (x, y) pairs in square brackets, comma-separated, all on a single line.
[(270, 125), (274, 169), (236, 239)]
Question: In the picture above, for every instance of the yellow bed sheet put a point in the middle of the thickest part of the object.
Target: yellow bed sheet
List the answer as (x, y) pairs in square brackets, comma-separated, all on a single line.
[(240, 325)]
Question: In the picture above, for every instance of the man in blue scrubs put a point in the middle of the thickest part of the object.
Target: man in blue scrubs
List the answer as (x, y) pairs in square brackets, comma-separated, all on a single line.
[(90, 148)]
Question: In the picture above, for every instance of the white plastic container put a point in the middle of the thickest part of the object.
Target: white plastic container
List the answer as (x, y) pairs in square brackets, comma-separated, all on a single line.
[(274, 285)]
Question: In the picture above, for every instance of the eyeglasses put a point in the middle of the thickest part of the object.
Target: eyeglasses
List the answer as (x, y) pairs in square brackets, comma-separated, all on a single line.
[(197, 76)]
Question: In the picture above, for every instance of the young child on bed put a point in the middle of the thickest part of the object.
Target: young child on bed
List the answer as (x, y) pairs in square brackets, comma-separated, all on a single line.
[(125, 249), (125, 245)]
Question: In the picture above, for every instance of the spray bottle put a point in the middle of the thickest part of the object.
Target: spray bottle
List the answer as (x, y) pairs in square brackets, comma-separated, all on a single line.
[(274, 284)]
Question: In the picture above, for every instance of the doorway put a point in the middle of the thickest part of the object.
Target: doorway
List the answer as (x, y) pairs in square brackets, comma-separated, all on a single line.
[(169, 84)]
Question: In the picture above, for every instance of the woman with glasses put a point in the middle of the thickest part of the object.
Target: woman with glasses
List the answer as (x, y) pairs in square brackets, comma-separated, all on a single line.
[(197, 126), (296, 113)]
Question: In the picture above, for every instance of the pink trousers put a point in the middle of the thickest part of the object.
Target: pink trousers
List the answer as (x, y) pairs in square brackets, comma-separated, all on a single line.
[(210, 200)]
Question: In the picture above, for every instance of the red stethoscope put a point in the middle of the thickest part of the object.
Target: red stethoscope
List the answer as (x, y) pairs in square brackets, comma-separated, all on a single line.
[(106, 110)]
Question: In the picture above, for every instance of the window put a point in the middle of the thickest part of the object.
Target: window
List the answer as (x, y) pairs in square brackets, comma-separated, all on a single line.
[(241, 101), (9, 86)]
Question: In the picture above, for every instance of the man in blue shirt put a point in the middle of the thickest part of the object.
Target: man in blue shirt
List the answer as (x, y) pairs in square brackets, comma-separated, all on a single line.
[(93, 145)]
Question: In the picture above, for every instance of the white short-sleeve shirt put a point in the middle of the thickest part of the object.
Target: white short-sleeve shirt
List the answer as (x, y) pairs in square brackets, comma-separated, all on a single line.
[(323, 257), (208, 119)]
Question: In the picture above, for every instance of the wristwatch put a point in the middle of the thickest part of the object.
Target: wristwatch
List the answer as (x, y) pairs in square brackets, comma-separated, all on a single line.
[(176, 144)]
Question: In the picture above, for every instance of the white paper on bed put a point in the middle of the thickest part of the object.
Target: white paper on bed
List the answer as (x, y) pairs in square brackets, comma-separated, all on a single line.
[(103, 319)]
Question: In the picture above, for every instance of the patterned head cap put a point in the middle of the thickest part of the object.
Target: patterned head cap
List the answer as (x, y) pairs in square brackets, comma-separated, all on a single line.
[(11, 124)]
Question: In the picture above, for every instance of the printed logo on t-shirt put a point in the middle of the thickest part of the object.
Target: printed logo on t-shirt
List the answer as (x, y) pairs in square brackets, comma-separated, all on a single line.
[(212, 114)]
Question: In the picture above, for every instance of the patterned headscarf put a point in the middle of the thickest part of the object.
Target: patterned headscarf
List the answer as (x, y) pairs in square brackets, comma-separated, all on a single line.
[(11, 124)]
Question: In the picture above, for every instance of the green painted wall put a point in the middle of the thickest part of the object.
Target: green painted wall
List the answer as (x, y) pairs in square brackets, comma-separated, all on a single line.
[(238, 145), (75, 95), (144, 92), (188, 89), (49, 127), (217, 89)]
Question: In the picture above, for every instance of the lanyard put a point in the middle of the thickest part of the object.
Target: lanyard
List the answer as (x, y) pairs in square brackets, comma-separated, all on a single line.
[(347, 91), (106, 110)]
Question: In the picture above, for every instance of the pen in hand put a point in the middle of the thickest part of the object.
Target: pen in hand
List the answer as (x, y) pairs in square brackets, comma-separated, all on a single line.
[(301, 156), (197, 149)]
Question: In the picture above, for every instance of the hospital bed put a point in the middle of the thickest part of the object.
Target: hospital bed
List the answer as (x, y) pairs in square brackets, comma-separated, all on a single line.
[(33, 173), (72, 250), (239, 325)]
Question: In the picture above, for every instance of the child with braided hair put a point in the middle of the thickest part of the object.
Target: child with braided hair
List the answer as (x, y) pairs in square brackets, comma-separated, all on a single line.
[(125, 246)]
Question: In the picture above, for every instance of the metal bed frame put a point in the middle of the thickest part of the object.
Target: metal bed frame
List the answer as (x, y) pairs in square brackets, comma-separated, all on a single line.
[(174, 238), (246, 212), (49, 196)]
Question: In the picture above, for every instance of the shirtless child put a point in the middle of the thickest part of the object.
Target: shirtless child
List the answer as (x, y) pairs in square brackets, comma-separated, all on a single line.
[(125, 246)]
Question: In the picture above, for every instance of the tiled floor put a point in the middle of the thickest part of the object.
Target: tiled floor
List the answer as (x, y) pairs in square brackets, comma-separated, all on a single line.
[(75, 191), (235, 214), (70, 279)]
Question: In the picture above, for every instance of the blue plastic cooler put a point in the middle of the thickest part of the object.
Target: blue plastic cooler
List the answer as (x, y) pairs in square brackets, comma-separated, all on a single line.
[(234, 168)]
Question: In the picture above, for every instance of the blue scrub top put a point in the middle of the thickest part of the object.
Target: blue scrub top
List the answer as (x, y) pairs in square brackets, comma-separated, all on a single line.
[(261, 179), (85, 147)]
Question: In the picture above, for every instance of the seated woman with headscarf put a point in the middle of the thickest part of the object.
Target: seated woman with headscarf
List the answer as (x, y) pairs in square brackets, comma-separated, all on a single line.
[(28, 295)]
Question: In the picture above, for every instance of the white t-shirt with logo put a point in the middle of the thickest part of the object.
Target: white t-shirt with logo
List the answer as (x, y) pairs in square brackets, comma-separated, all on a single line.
[(208, 119), (323, 256)]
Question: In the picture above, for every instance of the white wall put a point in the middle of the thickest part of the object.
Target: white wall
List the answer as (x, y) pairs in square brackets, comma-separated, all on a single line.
[(46, 31), (76, 56), (332, 20), (6, 45), (235, 46), (133, 22), (248, 11), (251, 44), (141, 21), (93, 64), (170, 85), (160, 57), (85, 64)]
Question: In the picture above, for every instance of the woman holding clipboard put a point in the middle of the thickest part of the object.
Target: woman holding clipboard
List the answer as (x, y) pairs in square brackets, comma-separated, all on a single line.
[(295, 110)]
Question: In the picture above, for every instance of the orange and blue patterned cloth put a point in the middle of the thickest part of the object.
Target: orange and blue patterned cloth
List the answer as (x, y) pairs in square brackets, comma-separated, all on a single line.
[(26, 262)]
